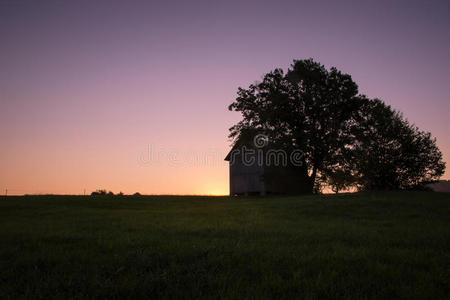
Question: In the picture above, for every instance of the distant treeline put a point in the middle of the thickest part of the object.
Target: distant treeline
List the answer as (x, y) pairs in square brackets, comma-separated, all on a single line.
[(109, 193), (440, 186)]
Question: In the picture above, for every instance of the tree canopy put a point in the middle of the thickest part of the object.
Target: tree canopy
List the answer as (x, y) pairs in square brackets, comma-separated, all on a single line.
[(346, 138)]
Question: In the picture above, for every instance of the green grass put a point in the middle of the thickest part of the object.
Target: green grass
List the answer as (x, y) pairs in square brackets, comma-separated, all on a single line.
[(365, 246)]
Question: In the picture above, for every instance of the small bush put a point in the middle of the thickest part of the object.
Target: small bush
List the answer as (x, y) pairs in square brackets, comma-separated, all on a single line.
[(99, 193), (102, 193)]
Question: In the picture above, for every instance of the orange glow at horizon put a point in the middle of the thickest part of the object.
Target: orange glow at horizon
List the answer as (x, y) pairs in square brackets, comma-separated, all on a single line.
[(86, 88)]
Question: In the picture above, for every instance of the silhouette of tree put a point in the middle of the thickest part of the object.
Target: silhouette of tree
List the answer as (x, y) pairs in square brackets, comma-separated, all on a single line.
[(390, 153), (346, 139), (307, 109)]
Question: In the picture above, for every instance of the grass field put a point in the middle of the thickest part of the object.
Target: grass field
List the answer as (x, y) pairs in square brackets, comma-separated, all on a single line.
[(382, 245)]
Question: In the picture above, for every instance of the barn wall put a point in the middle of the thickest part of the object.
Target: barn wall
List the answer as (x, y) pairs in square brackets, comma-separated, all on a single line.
[(259, 179), (246, 179)]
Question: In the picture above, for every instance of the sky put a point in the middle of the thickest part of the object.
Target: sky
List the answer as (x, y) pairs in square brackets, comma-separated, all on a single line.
[(132, 96)]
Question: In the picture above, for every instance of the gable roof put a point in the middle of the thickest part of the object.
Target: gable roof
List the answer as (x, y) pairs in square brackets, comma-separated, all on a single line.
[(239, 143)]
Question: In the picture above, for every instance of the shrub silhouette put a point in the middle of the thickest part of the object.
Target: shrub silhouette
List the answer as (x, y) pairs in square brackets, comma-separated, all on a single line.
[(102, 193)]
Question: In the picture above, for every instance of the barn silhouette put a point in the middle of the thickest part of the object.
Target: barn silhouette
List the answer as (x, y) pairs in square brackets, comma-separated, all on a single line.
[(256, 169)]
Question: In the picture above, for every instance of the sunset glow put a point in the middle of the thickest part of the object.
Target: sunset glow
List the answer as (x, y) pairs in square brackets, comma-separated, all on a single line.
[(86, 90)]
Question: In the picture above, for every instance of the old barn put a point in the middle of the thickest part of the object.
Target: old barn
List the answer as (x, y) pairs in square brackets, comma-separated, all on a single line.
[(254, 171)]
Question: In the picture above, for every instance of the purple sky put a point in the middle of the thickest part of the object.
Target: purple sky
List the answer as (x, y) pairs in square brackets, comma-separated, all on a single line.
[(87, 86)]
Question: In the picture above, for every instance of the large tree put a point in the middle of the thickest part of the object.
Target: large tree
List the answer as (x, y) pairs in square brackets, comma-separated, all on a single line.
[(390, 153), (306, 109), (320, 113)]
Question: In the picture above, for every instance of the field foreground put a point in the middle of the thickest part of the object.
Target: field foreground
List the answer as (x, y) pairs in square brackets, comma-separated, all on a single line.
[(381, 245)]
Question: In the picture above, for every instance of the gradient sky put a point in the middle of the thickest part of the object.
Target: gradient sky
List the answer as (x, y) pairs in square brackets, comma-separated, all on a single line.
[(89, 88)]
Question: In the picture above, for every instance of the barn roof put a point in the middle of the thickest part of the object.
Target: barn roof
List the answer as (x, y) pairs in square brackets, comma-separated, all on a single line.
[(239, 143), (245, 139)]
